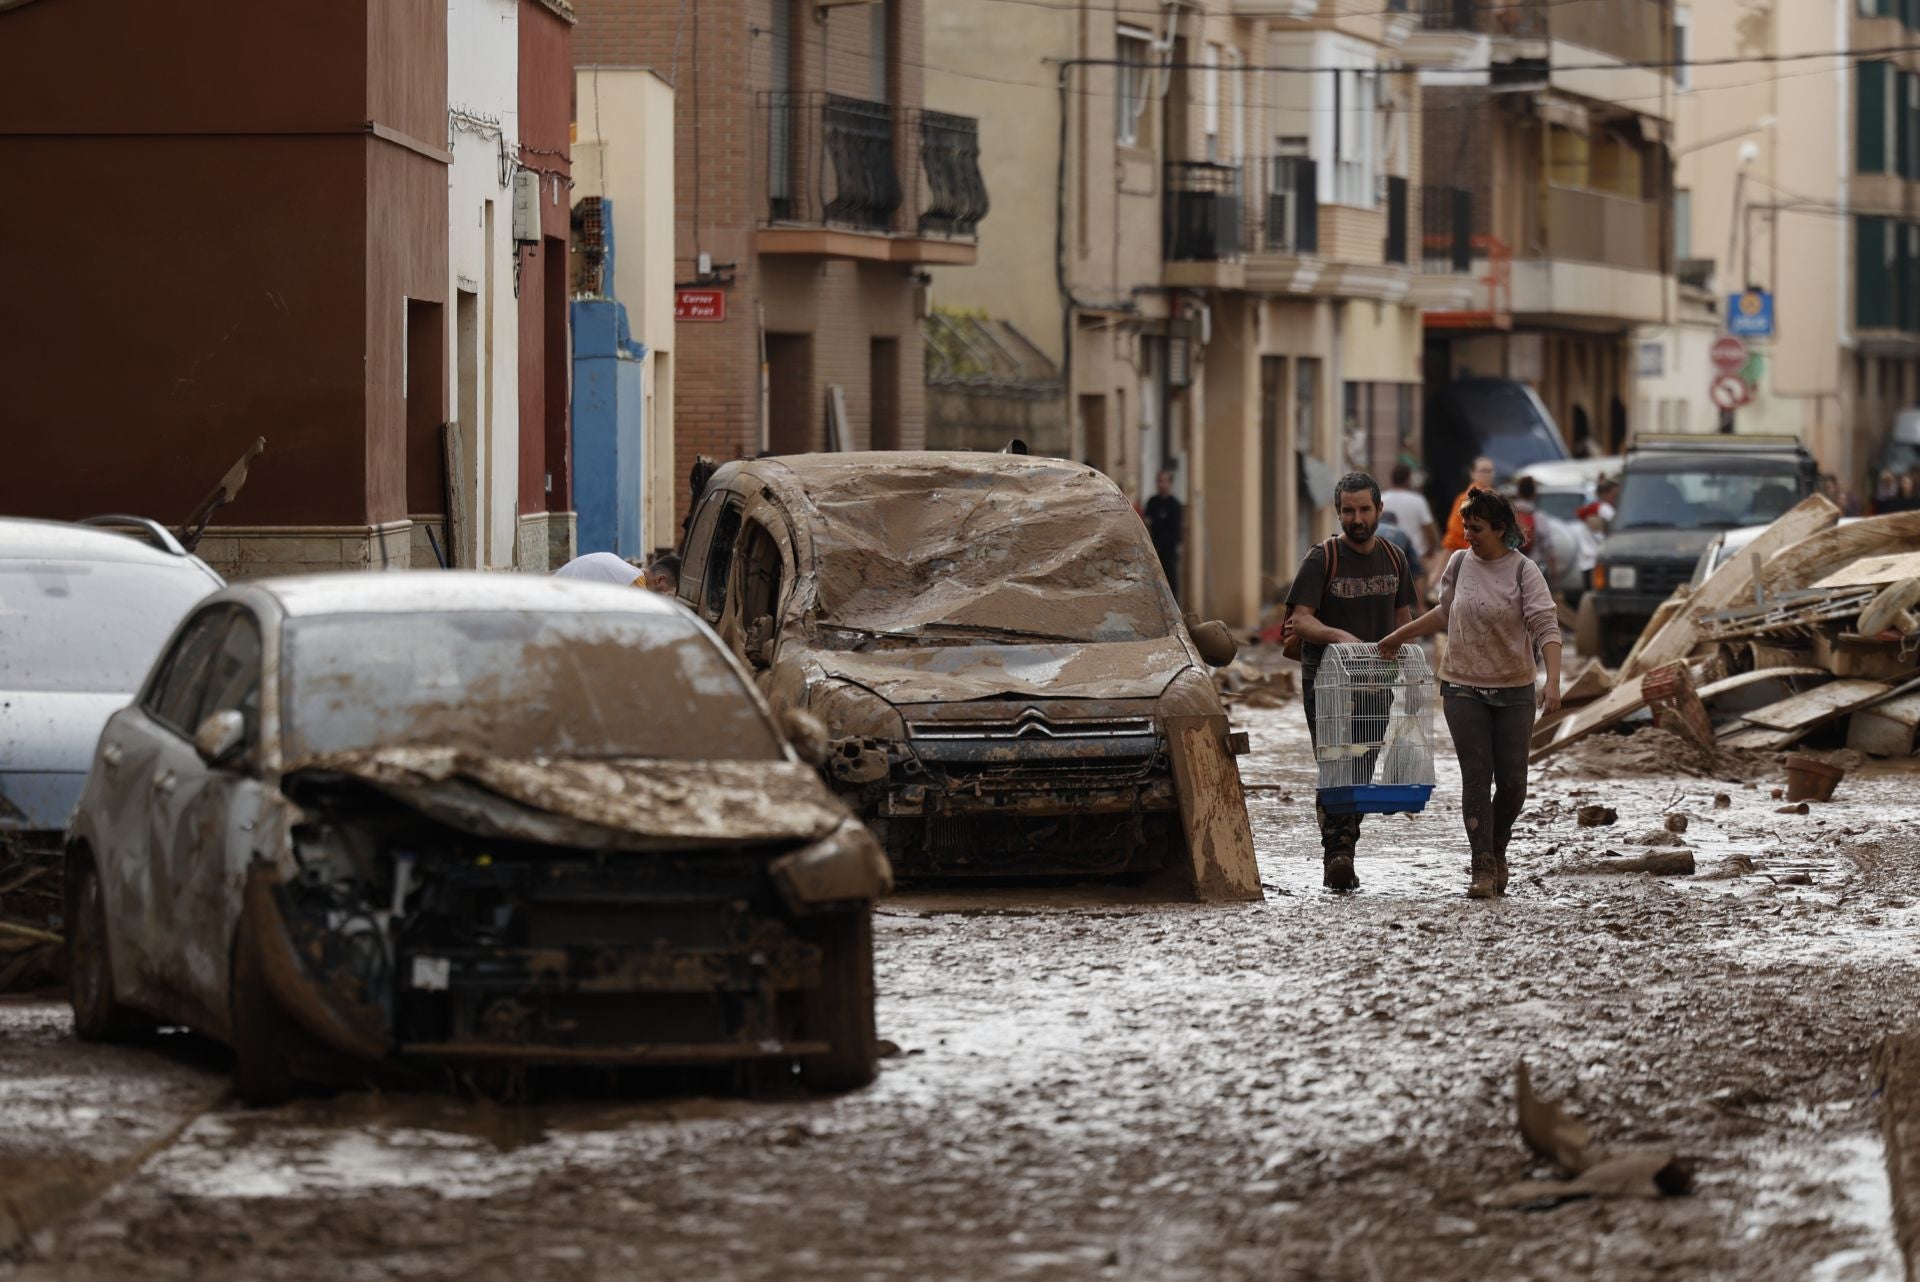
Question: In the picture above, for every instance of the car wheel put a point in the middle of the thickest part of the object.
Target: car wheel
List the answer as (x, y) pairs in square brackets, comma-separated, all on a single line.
[(97, 1015), (840, 1011), (261, 1075)]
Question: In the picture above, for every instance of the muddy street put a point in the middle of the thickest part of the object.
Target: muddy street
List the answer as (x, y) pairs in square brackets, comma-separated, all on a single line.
[(1310, 1087)]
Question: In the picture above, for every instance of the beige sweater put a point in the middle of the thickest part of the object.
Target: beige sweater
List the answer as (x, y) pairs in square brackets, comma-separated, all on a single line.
[(1498, 615)]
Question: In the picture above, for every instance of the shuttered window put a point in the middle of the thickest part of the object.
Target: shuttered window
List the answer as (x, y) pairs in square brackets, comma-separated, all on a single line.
[(1870, 116), (1873, 271)]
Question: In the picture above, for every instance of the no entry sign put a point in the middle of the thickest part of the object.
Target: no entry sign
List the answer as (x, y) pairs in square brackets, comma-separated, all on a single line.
[(1730, 392), (1729, 354), (699, 305)]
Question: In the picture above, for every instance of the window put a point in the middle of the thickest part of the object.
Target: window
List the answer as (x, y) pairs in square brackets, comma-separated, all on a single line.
[(1874, 101), (720, 559), (1210, 100), (1130, 93), (1238, 91), (1355, 161), (176, 695), (1683, 48), (1682, 224), (1873, 248), (233, 681), (879, 47)]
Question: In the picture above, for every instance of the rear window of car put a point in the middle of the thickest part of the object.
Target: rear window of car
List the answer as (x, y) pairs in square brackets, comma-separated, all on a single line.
[(594, 685), (89, 626)]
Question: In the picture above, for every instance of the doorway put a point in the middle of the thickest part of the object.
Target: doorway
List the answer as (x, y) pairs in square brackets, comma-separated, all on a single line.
[(425, 388), (464, 478), (791, 413), (883, 390)]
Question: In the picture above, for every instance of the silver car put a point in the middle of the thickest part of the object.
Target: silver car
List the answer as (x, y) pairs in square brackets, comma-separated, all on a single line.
[(471, 820), (83, 611)]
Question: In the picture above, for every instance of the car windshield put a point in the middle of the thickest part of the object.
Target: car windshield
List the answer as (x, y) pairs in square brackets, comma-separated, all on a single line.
[(1509, 424), (1560, 504), (1013, 553), (1704, 495), (518, 684), (89, 626)]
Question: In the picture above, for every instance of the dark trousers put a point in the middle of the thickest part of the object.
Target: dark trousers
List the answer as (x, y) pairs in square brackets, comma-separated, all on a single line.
[(1492, 744), (1338, 833), (1169, 554)]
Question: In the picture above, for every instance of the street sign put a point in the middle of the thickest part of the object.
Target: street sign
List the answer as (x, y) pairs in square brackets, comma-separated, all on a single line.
[(1750, 314), (1729, 354), (1730, 392), (699, 305)]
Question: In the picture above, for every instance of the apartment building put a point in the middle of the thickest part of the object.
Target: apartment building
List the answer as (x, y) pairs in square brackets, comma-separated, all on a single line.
[(1807, 186), (1557, 119), (813, 189), (1212, 216)]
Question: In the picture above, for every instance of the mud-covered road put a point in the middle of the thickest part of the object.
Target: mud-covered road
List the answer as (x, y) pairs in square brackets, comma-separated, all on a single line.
[(1312, 1087)]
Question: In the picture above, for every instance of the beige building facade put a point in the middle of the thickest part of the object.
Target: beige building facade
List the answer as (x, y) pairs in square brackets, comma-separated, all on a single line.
[(1212, 218), (1808, 186)]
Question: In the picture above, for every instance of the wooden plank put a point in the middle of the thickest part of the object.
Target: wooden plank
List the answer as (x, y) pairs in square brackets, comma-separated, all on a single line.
[(1622, 702), (1727, 685), (1592, 682), (1213, 810), (1664, 614), (1813, 559), (1812, 707), (1874, 571), (1758, 738), (1732, 582)]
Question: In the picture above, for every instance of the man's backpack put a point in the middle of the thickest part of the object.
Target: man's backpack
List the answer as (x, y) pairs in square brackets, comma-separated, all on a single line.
[(1289, 639)]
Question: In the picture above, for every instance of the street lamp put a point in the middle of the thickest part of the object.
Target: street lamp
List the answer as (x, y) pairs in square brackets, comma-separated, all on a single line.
[(1758, 126)]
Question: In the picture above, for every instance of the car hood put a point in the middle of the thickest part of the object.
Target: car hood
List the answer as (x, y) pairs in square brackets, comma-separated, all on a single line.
[(53, 730), (1657, 545), (615, 804), (1062, 670)]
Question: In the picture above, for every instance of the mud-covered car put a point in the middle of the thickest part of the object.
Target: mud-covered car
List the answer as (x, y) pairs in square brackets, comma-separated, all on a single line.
[(1007, 682), (464, 819)]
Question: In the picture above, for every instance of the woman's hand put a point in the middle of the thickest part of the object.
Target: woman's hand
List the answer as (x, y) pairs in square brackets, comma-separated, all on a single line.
[(1549, 697)]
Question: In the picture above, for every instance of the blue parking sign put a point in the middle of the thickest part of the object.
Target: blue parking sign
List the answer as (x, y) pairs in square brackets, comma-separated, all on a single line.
[(1750, 314)]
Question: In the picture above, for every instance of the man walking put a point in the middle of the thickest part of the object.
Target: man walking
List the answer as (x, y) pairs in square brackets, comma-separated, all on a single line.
[(1369, 594), (1166, 521)]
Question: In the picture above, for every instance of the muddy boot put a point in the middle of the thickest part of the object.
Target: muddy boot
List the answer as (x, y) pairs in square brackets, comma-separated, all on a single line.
[(1337, 873), (1483, 885), (1500, 873)]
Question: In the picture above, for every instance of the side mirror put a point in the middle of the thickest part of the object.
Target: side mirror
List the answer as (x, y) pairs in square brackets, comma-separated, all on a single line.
[(808, 735), (220, 737), (1215, 642)]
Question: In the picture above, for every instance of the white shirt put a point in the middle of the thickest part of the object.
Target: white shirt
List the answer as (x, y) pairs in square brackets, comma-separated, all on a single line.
[(1410, 513)]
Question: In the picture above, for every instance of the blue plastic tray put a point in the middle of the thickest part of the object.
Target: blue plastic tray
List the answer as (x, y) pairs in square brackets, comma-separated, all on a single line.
[(1375, 798)]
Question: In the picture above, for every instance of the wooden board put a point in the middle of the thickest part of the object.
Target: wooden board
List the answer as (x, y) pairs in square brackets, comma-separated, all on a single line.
[(1665, 614), (1812, 707), (1813, 559), (1870, 571), (1592, 682), (1758, 738), (1732, 582), (1727, 685), (1622, 702), (1213, 810), (1894, 600)]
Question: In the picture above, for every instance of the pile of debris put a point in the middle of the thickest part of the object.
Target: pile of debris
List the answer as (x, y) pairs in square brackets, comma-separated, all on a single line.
[(30, 912), (1814, 625), (1260, 677)]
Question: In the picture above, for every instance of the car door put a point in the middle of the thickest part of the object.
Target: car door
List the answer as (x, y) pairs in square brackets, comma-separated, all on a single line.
[(207, 821), (135, 749)]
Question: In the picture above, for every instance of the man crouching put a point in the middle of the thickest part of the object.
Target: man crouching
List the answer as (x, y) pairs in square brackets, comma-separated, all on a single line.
[(1368, 594)]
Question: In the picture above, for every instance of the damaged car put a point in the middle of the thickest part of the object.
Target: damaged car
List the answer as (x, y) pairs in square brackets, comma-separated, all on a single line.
[(1008, 686), (466, 820)]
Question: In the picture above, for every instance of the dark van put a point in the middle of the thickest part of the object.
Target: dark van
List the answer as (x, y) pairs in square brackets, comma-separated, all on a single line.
[(1498, 417)]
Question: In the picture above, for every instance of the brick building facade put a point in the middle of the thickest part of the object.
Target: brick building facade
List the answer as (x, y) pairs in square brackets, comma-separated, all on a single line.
[(812, 188)]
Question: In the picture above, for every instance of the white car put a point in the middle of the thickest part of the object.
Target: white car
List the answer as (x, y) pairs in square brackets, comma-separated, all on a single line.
[(360, 822)]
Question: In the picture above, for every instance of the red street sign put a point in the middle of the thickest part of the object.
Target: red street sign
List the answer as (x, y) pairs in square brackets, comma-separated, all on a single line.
[(699, 305), (1729, 354), (1730, 392)]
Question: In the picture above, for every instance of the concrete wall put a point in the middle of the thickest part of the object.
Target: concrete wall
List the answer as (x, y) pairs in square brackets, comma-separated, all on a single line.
[(205, 193), (484, 106), (625, 151)]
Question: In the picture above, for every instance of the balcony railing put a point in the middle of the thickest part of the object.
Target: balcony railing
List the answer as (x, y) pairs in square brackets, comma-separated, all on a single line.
[(835, 161), (1287, 219), (954, 195), (1202, 220), (1446, 230), (1596, 227), (1520, 18)]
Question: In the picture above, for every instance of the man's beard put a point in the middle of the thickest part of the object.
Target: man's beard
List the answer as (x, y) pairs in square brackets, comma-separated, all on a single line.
[(1359, 531)]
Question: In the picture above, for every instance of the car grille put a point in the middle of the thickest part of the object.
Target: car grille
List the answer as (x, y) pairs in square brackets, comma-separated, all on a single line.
[(1660, 578), (1031, 725)]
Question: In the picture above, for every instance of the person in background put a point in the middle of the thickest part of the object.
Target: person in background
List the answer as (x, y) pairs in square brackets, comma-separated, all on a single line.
[(602, 567), (1409, 510), (1526, 501), (1390, 531), (1166, 526), (1606, 494), (663, 576), (1907, 497), (1498, 613), (1481, 478), (1368, 593), (1886, 488)]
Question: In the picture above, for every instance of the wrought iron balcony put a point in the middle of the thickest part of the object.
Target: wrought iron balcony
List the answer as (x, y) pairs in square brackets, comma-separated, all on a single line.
[(1202, 220), (1446, 230), (1526, 18), (848, 165)]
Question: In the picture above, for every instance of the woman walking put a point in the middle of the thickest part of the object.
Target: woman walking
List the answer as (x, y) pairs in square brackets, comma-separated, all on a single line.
[(1497, 613)]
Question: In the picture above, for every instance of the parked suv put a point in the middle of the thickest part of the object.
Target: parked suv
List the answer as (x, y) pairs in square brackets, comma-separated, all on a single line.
[(1676, 494), (1004, 677)]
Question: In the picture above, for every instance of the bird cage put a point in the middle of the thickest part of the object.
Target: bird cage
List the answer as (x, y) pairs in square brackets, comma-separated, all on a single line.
[(1373, 730)]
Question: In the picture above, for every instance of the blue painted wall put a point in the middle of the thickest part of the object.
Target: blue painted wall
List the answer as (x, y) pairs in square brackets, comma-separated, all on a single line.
[(609, 407)]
